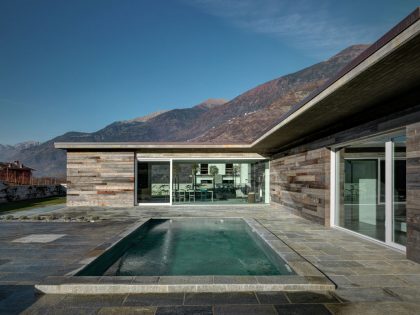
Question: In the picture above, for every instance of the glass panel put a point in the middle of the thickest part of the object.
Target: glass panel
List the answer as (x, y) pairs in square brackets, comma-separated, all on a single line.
[(153, 182), (361, 173), (225, 182), (362, 188), (258, 180), (400, 192), (382, 181)]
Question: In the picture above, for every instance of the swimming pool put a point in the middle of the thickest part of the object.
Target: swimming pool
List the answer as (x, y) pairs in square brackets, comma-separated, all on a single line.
[(190, 247)]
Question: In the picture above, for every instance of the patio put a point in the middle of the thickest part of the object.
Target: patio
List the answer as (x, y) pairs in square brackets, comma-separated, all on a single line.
[(370, 278)]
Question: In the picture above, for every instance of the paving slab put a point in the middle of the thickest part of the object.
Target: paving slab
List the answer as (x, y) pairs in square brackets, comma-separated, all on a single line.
[(378, 308), (156, 299), (127, 310), (303, 309), (365, 294), (184, 310), (60, 311), (38, 238), (91, 301), (272, 298), (220, 298), (244, 310), (406, 294), (311, 297)]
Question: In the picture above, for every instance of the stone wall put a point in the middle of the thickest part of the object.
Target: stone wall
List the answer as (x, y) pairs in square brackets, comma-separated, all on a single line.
[(24, 192), (413, 192), (301, 181), (100, 179)]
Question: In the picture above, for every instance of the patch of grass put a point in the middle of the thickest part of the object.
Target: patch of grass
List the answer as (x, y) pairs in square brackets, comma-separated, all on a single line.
[(31, 203)]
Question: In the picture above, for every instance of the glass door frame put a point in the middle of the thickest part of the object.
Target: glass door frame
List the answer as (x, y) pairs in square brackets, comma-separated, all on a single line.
[(211, 160), (171, 160), (141, 159), (389, 189)]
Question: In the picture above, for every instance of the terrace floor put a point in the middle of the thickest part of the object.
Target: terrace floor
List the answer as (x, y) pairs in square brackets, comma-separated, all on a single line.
[(370, 278)]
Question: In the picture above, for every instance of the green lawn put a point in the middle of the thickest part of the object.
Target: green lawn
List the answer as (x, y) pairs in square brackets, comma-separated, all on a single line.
[(31, 203)]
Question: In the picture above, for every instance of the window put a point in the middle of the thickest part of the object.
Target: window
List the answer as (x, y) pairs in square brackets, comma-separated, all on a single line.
[(204, 169), (229, 169), (194, 181)]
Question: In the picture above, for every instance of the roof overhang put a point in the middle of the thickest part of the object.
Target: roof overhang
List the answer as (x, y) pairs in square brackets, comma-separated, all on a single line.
[(388, 69), (154, 146)]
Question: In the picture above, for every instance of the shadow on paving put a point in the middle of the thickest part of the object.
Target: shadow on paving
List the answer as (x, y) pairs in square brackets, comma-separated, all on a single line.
[(16, 298), (229, 303), (243, 303)]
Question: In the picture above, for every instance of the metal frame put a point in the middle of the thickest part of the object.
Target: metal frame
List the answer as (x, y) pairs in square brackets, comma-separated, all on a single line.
[(389, 184), (267, 197), (172, 160), (389, 175), (138, 159), (135, 179)]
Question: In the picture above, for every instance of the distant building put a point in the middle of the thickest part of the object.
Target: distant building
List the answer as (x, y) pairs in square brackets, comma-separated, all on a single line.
[(15, 173)]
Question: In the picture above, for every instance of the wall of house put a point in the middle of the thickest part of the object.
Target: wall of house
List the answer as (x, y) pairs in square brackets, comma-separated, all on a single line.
[(300, 180), (300, 174), (413, 192), (100, 179), (16, 176)]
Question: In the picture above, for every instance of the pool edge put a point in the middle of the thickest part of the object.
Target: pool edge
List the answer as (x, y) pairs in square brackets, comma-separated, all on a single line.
[(116, 288), (307, 278)]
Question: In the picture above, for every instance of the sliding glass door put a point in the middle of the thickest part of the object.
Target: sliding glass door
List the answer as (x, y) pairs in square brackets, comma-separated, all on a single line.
[(219, 181), (370, 196), (362, 209), (193, 181), (153, 182)]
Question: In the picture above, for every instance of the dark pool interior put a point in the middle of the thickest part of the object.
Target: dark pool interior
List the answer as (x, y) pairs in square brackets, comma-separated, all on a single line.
[(189, 247)]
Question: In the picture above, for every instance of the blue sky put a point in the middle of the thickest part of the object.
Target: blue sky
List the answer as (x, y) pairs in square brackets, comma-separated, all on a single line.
[(79, 65)]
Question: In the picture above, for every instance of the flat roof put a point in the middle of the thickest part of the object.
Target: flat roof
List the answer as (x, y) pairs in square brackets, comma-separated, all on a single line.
[(147, 145), (389, 67)]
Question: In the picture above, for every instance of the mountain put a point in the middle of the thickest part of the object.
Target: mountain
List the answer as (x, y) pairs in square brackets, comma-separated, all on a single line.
[(166, 126), (211, 103), (8, 152), (249, 115), (241, 119), (145, 118)]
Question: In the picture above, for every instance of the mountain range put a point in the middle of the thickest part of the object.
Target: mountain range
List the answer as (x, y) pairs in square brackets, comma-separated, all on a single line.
[(242, 119)]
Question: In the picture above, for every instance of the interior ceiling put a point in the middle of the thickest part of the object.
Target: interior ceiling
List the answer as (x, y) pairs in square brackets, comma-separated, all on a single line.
[(379, 141), (216, 161)]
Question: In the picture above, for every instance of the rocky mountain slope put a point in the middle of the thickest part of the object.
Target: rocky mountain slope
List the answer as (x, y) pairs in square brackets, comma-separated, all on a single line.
[(242, 119), (268, 101), (8, 152)]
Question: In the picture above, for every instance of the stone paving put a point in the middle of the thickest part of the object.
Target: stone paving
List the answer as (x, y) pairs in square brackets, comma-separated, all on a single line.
[(34, 211), (370, 278)]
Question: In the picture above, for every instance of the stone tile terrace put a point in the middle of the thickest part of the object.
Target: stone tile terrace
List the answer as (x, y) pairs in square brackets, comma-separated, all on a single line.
[(370, 278)]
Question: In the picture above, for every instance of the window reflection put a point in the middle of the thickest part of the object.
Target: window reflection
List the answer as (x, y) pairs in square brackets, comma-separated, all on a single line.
[(362, 187)]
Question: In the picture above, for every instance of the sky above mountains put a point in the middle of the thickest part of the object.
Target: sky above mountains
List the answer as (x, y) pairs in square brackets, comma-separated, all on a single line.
[(79, 65)]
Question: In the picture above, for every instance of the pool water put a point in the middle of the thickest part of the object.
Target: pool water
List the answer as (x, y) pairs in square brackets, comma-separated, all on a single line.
[(190, 247)]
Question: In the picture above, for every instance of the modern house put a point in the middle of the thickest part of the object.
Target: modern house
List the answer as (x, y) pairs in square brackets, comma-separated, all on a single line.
[(348, 156)]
